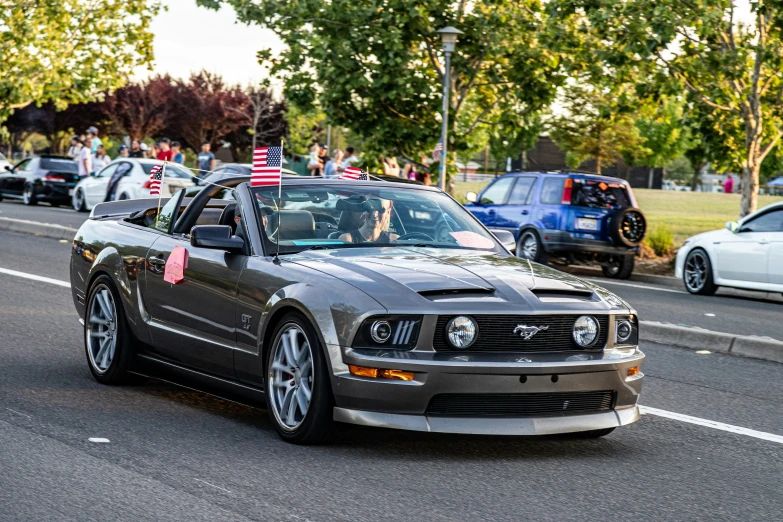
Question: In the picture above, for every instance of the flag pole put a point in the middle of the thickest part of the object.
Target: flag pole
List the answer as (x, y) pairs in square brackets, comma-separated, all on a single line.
[(279, 203), (160, 191)]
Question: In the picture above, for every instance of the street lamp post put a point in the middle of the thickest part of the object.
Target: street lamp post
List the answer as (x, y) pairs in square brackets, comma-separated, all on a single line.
[(448, 36)]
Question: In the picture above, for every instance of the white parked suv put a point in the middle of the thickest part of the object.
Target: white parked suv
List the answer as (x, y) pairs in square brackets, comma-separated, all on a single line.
[(746, 254), (133, 182)]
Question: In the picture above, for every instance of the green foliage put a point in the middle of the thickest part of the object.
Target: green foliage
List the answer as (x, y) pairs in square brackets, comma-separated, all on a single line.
[(664, 134), (679, 169), (661, 240), (68, 51), (375, 67), (304, 127)]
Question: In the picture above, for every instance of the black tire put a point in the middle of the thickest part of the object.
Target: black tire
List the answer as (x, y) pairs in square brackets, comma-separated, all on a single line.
[(618, 267), (697, 273), (28, 195), (80, 204), (593, 434), (529, 247), (123, 197), (117, 371), (317, 425), (627, 227)]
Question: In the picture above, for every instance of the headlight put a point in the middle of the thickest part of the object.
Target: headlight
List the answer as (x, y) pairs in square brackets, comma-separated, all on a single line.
[(396, 332), (462, 332), (626, 330), (585, 331)]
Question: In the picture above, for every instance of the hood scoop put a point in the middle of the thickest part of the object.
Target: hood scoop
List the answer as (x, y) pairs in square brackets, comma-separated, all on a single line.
[(554, 295), (447, 293)]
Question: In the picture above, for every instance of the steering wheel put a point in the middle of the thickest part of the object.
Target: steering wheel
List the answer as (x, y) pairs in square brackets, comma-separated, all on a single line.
[(415, 235)]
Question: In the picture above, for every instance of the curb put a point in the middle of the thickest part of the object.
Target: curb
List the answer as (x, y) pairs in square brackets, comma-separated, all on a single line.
[(668, 281), (37, 229), (695, 338)]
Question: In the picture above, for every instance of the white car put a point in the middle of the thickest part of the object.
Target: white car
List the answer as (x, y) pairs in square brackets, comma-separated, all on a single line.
[(746, 254), (133, 184), (4, 163)]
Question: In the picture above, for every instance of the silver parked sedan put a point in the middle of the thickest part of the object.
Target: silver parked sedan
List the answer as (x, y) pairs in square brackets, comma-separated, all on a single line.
[(363, 302)]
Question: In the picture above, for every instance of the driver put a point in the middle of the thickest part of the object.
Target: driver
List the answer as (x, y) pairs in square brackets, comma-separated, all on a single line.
[(376, 223)]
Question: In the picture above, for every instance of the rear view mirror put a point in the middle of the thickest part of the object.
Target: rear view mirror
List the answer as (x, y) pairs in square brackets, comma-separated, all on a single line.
[(472, 197), (732, 226), (215, 236)]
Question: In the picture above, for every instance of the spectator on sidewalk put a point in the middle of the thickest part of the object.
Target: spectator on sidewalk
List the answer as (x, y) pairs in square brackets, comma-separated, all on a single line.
[(101, 159), (176, 150), (728, 185), (75, 148), (123, 150), (333, 168), (350, 158), (390, 167), (153, 151), (136, 150), (165, 153), (85, 159), (314, 160), (205, 161), (95, 141)]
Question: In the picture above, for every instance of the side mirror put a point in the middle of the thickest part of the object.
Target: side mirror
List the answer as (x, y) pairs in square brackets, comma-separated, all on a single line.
[(93, 174), (9, 168), (215, 236), (506, 238), (472, 197), (732, 226)]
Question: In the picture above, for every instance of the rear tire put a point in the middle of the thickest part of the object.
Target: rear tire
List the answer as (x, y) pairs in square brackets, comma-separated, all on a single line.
[(107, 337), (619, 267), (697, 273), (28, 195), (529, 247), (296, 365)]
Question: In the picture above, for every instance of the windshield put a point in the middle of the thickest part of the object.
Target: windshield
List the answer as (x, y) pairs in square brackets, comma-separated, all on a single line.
[(340, 216), (172, 171)]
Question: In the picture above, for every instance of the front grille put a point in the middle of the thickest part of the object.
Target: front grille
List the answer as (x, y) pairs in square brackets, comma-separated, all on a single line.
[(520, 404), (496, 333)]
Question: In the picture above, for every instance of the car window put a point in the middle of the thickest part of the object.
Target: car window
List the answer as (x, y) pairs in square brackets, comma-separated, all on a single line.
[(552, 190), (124, 168), (168, 214), (599, 194), (172, 171), (22, 165), (520, 194), (107, 171), (768, 222), (496, 193), (60, 165)]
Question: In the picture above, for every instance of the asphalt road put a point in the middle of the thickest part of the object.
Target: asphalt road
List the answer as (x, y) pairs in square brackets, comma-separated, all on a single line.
[(176, 454), (43, 212)]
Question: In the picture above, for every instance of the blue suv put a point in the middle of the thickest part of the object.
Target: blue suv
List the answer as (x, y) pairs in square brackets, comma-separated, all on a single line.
[(576, 217)]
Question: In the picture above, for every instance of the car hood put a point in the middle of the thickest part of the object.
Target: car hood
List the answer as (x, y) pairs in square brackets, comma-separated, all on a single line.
[(420, 279)]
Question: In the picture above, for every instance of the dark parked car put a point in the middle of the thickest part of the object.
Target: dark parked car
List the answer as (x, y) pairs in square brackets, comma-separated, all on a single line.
[(575, 217), (42, 178)]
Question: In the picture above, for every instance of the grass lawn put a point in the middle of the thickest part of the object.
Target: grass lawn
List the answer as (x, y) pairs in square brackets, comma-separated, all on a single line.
[(684, 213)]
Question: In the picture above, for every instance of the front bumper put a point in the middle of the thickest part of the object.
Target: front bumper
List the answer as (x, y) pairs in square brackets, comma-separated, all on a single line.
[(556, 241), (404, 404)]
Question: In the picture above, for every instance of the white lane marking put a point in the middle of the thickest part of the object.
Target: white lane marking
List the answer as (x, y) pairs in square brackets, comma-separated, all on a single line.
[(34, 277), (739, 430), (19, 413), (63, 210), (98, 439), (703, 352), (644, 287), (214, 486), (710, 315)]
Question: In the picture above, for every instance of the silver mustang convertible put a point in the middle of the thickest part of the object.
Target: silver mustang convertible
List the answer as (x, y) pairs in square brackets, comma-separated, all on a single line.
[(365, 302)]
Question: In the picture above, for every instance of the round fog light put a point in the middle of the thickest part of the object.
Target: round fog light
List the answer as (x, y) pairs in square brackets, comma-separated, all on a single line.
[(462, 332), (585, 331), (624, 331), (380, 331)]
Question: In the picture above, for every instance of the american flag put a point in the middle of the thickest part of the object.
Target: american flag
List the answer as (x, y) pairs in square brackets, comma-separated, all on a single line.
[(267, 166), (156, 178), (354, 174), (436, 152)]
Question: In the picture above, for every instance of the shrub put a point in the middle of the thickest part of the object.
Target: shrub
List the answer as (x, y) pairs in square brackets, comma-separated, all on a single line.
[(661, 240)]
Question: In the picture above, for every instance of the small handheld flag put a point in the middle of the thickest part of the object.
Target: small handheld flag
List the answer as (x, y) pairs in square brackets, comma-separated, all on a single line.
[(156, 178), (437, 151), (354, 174), (267, 166)]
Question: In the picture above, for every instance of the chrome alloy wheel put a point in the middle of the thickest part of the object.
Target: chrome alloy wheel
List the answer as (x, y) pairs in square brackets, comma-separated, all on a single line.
[(291, 377), (529, 247), (27, 194), (78, 200), (101, 329), (695, 271)]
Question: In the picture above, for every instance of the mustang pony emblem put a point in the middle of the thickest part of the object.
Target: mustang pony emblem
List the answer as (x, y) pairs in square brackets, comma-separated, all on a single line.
[(526, 332)]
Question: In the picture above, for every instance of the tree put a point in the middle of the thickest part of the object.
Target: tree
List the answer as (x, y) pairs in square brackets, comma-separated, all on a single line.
[(55, 125), (67, 51), (265, 125), (139, 110), (597, 124), (731, 67), (386, 85)]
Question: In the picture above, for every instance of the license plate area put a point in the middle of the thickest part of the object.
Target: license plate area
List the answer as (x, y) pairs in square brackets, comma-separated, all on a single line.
[(587, 224)]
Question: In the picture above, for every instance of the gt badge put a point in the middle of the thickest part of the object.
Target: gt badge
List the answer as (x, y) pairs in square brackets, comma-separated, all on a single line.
[(246, 321), (526, 332)]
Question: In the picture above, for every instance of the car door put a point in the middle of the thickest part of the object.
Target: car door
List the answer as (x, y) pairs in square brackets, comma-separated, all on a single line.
[(192, 322), (95, 186), (493, 197), (775, 256), (13, 184), (516, 211), (745, 255)]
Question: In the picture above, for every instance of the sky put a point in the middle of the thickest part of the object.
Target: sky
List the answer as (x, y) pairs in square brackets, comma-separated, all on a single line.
[(189, 38)]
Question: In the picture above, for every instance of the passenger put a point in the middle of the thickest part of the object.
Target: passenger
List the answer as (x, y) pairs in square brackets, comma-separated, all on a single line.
[(376, 223)]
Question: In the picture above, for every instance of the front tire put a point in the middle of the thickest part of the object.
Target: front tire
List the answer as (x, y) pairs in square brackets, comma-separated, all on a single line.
[(107, 338), (79, 201), (299, 395), (618, 267), (697, 273), (529, 247), (28, 195)]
